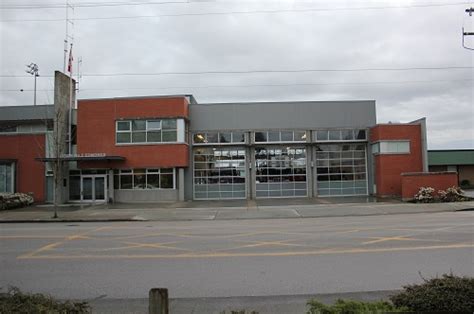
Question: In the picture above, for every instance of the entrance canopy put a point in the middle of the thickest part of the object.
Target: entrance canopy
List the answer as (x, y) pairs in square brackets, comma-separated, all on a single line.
[(82, 158)]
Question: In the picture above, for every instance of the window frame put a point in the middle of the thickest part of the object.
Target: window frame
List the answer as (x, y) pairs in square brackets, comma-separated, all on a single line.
[(267, 134), (205, 141), (118, 173), (354, 138), (173, 132), (382, 147)]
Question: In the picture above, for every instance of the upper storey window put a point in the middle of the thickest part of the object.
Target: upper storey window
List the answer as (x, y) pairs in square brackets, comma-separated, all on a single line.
[(340, 135), (150, 131), (226, 137), (280, 136), (391, 147)]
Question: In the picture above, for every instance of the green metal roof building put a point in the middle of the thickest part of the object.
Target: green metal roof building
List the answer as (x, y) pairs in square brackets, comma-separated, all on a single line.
[(460, 160)]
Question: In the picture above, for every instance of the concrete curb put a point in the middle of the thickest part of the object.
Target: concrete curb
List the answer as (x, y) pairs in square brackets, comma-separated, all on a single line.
[(92, 220)]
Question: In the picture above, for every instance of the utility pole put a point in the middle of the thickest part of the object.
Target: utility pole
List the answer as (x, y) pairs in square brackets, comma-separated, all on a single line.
[(464, 34), (33, 70)]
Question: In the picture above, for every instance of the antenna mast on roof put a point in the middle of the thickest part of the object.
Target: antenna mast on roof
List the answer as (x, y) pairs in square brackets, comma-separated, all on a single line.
[(67, 37), (464, 34)]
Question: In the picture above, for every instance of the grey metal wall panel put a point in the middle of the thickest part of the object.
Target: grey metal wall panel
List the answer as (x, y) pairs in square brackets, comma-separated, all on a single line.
[(15, 113), (282, 115), (130, 196)]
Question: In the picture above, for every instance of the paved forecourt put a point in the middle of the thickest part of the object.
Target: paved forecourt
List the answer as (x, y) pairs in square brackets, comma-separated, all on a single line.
[(244, 238), (235, 258)]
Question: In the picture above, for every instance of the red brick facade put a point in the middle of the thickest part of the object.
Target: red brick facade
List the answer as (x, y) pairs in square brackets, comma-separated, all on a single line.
[(30, 174), (389, 167), (411, 182), (96, 120)]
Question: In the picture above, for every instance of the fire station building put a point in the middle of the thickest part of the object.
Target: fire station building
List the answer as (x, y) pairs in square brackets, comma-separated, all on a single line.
[(170, 148)]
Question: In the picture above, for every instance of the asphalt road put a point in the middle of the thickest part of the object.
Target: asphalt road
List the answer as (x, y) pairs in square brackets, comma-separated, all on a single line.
[(235, 258)]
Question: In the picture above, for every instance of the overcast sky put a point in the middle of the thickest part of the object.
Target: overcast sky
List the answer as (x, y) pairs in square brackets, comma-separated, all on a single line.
[(293, 37)]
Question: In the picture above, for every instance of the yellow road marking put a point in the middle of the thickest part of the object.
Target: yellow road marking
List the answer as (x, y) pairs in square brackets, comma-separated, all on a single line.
[(217, 255), (265, 243), (154, 245), (30, 237), (55, 244), (77, 237), (41, 249), (348, 231), (399, 238)]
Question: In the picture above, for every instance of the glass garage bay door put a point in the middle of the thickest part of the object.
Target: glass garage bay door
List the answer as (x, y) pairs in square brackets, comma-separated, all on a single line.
[(280, 172), (219, 173), (341, 169)]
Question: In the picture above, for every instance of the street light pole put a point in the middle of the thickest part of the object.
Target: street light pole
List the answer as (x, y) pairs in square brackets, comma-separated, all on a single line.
[(33, 70)]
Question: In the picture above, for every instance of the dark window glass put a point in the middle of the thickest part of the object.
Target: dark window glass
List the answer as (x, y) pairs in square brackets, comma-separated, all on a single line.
[(154, 136), (153, 124), (260, 136), (361, 135), (166, 181), (123, 137), (126, 181), (322, 135), (335, 135), (322, 155), (225, 137), (168, 124), (300, 136), (169, 136), (346, 155), (139, 179), (75, 188), (238, 137), (139, 125), (287, 136), (138, 137), (273, 136), (123, 125), (153, 181), (323, 178), (347, 135), (212, 138), (116, 182)]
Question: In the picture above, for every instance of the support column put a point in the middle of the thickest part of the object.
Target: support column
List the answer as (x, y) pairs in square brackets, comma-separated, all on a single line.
[(309, 170), (251, 177), (181, 184), (111, 196)]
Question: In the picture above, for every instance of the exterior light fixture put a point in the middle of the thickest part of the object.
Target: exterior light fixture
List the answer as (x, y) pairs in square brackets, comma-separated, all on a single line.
[(33, 70)]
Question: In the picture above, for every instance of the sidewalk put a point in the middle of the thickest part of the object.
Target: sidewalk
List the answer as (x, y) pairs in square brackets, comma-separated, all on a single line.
[(227, 210), (262, 304)]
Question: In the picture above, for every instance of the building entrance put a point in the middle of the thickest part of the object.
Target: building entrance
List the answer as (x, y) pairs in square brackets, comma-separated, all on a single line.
[(93, 188)]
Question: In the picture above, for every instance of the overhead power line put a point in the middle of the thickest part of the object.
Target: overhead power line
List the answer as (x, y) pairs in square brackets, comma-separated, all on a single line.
[(86, 5), (262, 71), (258, 85), (306, 10)]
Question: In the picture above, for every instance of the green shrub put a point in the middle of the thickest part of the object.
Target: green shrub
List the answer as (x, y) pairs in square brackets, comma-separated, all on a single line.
[(465, 183), (446, 294), (452, 194), (425, 195), (15, 301), (352, 307)]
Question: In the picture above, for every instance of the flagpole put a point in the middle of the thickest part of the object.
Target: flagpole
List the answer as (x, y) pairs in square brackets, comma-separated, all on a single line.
[(70, 100)]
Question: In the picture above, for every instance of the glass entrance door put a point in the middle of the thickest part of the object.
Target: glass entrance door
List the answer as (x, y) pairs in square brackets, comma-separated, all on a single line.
[(93, 188), (87, 194)]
